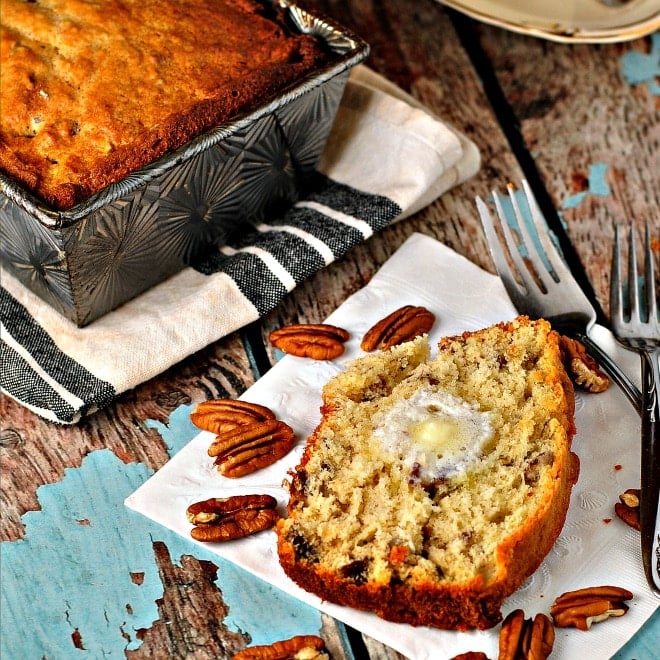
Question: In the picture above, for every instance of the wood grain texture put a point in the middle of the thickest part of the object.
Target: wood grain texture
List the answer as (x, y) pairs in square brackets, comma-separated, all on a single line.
[(571, 106), (191, 623), (576, 108), (36, 452)]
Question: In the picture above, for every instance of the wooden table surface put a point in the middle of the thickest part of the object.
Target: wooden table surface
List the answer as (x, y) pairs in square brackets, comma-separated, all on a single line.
[(579, 121)]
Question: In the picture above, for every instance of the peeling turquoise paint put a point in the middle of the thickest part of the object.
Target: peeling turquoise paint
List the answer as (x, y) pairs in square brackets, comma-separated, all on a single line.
[(597, 182), (644, 645), (597, 186), (178, 431), (639, 68), (72, 572)]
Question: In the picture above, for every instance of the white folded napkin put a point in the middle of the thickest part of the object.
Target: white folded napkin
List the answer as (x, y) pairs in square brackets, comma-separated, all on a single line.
[(594, 548), (386, 158)]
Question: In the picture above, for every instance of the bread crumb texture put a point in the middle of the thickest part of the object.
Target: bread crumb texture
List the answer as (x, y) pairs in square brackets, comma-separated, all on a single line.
[(367, 527)]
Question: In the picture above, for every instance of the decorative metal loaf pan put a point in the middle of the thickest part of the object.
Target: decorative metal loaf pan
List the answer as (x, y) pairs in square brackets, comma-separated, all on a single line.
[(94, 257)]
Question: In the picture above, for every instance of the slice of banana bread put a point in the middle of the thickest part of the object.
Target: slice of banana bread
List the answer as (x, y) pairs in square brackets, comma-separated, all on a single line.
[(433, 487)]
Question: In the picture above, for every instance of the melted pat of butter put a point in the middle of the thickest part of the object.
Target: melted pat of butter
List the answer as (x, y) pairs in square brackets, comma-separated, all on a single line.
[(441, 436), (434, 433)]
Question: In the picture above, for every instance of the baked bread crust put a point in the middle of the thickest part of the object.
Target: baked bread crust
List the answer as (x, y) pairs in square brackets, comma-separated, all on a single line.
[(400, 571), (98, 90)]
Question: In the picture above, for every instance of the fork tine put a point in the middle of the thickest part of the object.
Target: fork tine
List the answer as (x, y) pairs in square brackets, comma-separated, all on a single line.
[(511, 243), (616, 288), (551, 251), (633, 278), (641, 296), (499, 258), (652, 303), (543, 270), (531, 245)]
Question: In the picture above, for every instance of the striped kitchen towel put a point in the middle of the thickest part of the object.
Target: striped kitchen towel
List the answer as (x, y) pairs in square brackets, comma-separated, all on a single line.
[(386, 158)]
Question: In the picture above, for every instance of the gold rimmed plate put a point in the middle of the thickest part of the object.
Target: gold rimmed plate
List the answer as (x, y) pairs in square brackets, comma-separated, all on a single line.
[(569, 21)]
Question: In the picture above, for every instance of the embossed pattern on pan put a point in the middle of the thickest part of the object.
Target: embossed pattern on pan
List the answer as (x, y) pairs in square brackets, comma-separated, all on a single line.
[(92, 258)]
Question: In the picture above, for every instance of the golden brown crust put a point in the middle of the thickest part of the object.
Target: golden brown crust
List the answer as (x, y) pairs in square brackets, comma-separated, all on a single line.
[(450, 607), (94, 98), (458, 603)]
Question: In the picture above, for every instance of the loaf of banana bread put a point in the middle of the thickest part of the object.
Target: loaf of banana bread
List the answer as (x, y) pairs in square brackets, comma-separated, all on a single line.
[(92, 91)]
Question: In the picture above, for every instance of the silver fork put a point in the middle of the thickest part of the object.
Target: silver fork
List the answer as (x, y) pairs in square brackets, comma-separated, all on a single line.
[(637, 327), (553, 294)]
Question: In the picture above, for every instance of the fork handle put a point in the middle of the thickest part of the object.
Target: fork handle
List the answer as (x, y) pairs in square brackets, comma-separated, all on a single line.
[(650, 468), (612, 370)]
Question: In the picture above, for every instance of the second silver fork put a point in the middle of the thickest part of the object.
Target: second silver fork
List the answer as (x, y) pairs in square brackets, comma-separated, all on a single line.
[(637, 326)]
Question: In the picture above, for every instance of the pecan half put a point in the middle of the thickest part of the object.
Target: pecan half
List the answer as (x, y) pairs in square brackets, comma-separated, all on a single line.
[(526, 639), (404, 324), (300, 647), (319, 341), (471, 655), (583, 607), (628, 508), (250, 447), (219, 415), (226, 518), (582, 368)]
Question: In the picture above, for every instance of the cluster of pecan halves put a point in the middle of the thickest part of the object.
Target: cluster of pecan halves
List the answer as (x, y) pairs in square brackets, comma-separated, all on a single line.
[(524, 639), (248, 435), (532, 639), (322, 341), (226, 518), (307, 647)]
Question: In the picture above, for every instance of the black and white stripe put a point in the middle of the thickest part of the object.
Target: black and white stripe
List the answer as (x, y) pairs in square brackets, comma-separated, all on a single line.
[(279, 254), (38, 374), (265, 264)]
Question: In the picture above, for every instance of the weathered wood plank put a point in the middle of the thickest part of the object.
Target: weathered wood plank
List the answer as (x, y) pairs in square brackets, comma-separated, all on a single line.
[(576, 109), (594, 133), (191, 619), (36, 452)]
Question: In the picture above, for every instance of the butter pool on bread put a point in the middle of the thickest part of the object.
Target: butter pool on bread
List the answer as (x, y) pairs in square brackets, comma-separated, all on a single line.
[(434, 486)]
